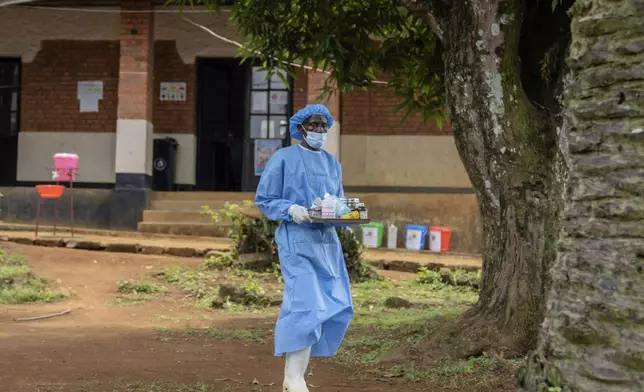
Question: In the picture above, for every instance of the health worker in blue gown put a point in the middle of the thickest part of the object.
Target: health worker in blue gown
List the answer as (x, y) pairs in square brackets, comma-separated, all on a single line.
[(317, 306)]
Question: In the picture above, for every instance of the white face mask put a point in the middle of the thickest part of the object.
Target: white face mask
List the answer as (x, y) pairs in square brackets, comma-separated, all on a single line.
[(315, 139)]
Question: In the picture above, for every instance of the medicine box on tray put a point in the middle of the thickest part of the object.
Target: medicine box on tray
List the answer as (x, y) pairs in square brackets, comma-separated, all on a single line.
[(339, 210)]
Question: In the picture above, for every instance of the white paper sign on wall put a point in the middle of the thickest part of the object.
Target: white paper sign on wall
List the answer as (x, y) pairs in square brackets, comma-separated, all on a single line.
[(88, 94), (173, 91)]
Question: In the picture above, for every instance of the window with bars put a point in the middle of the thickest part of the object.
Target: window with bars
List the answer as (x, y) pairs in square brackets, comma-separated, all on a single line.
[(269, 104), (9, 96)]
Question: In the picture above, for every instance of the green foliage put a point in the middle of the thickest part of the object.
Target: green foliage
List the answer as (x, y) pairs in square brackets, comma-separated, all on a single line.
[(139, 287), (19, 285), (234, 290), (353, 251), (456, 277), (197, 284), (219, 262), (249, 234), (427, 276), (252, 233), (356, 41)]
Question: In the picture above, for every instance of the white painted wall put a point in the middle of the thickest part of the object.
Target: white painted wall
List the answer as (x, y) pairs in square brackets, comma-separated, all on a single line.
[(95, 151), (192, 41), (133, 146), (413, 161), (333, 140)]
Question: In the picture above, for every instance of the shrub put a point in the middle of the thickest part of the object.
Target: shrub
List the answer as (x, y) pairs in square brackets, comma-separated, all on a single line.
[(253, 233), (250, 234), (427, 276)]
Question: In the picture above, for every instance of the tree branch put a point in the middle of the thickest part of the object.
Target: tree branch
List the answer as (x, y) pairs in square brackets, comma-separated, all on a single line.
[(425, 12)]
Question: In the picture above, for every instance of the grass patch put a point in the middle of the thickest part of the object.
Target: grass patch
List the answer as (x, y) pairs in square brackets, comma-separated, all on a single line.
[(376, 329), (481, 373), (142, 286), (130, 299), (474, 365), (224, 334), (202, 285), (430, 301), (447, 276), (19, 285), (135, 292)]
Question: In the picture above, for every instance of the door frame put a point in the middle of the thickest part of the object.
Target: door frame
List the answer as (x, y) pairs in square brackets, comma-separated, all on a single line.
[(16, 60), (249, 179), (200, 62)]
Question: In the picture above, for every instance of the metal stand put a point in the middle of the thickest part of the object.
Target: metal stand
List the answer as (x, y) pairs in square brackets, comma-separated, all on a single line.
[(38, 206), (71, 174)]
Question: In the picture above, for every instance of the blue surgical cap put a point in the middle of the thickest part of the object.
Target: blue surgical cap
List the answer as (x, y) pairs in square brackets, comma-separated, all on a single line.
[(306, 112)]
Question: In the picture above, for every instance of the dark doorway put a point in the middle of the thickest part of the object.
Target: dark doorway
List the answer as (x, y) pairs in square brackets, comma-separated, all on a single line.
[(9, 119), (221, 121)]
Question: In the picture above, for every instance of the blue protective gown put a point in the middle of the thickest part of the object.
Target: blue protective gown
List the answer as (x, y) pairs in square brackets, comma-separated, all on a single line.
[(317, 305)]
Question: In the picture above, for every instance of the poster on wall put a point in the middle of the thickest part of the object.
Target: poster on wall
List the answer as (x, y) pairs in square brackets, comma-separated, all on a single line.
[(88, 94), (264, 150), (173, 91)]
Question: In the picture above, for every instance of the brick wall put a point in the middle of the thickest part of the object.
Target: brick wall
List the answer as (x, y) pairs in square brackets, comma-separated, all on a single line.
[(136, 62), (49, 86), (370, 113), (316, 82), (300, 89), (173, 116)]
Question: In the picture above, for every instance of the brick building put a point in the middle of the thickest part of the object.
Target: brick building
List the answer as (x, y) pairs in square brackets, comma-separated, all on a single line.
[(408, 172)]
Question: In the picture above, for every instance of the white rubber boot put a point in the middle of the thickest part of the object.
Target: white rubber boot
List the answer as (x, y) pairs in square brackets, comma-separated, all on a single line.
[(296, 364)]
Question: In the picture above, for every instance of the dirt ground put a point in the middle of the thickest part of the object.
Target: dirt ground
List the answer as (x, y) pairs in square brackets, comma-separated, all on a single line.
[(100, 346)]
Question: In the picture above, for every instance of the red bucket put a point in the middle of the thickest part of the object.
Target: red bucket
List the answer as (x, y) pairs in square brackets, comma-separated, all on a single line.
[(439, 238), (50, 191)]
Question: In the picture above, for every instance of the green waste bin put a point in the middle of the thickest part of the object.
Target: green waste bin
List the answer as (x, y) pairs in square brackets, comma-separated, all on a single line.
[(372, 234)]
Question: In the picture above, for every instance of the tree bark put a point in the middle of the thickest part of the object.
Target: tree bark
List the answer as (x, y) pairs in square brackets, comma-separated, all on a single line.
[(512, 151), (592, 338)]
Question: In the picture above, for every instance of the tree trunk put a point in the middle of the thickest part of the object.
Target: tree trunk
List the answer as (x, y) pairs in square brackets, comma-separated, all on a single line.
[(511, 150), (592, 338)]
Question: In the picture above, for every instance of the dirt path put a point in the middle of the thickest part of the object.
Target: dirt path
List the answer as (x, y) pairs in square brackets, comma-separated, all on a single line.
[(202, 244), (198, 243), (100, 346)]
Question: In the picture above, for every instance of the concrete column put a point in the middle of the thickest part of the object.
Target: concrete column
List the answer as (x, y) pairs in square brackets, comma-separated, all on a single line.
[(134, 129), (315, 83)]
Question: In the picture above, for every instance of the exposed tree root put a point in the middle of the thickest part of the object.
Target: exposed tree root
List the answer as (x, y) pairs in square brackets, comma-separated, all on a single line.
[(475, 333), (470, 335)]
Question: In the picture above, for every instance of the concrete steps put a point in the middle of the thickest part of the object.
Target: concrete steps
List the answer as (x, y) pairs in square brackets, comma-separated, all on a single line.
[(181, 213)]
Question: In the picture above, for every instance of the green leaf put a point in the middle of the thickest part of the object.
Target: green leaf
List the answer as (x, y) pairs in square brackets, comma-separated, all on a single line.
[(283, 78), (439, 122), (357, 41)]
